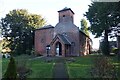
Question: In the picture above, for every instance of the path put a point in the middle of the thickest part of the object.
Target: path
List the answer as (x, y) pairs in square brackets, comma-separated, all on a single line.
[(59, 70)]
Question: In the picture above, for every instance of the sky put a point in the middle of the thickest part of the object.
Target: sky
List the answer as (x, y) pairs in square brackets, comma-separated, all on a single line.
[(48, 9)]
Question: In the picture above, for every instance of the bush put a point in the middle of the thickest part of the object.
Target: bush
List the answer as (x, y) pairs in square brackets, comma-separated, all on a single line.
[(115, 50), (3, 56), (22, 69), (102, 68), (23, 72), (11, 73), (38, 54)]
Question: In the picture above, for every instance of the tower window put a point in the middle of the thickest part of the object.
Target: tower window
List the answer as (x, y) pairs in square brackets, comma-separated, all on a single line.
[(63, 15)]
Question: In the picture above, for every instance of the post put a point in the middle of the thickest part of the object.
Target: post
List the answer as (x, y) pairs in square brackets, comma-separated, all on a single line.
[(47, 50)]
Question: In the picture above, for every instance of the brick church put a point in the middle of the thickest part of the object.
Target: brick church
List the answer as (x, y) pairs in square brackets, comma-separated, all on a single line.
[(65, 39)]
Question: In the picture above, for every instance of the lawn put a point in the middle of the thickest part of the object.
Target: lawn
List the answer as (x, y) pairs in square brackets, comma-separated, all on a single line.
[(82, 66), (4, 65), (39, 68), (0, 67)]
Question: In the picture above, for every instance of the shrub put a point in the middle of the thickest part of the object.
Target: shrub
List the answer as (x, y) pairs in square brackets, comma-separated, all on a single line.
[(115, 50), (38, 54), (22, 69), (11, 73), (3, 56), (102, 68)]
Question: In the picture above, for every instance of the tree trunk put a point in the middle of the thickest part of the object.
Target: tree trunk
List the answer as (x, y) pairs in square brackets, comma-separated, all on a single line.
[(106, 43)]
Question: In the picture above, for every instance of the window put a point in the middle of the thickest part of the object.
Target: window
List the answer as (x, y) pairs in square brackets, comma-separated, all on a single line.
[(63, 15)]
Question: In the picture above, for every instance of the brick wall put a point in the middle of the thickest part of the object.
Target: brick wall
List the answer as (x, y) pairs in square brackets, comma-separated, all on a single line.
[(84, 44), (43, 38), (53, 48)]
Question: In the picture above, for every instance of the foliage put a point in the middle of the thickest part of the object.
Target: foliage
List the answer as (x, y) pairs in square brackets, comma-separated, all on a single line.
[(18, 29), (103, 17), (4, 46), (33, 66), (102, 68), (11, 73), (22, 69), (115, 50), (0, 46), (84, 26), (80, 68)]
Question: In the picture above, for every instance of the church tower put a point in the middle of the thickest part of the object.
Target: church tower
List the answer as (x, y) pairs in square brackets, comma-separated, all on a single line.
[(68, 30), (66, 15)]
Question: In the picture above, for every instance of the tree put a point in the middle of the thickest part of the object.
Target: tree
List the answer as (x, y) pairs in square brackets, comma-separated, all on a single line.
[(102, 17), (11, 72), (18, 29), (84, 26)]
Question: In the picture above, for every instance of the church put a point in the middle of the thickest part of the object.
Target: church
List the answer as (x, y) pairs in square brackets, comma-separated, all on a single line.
[(64, 39)]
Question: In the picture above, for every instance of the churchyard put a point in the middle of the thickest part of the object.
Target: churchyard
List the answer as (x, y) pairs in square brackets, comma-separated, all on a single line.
[(43, 67)]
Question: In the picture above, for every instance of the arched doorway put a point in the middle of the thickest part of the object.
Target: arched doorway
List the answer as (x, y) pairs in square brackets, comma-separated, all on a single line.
[(58, 49)]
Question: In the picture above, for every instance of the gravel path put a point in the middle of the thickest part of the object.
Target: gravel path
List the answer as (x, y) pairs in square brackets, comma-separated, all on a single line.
[(59, 70)]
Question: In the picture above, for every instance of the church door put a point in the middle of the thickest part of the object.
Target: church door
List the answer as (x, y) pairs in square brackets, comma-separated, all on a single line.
[(58, 49)]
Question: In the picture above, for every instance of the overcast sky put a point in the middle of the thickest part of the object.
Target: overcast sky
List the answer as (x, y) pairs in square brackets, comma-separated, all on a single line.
[(48, 9)]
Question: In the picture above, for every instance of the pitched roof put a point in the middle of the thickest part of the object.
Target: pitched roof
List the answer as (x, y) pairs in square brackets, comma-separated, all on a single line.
[(84, 33), (45, 27), (86, 36), (65, 9), (62, 38)]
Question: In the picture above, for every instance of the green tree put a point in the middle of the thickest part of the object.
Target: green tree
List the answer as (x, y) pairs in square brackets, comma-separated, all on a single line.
[(11, 72), (103, 16), (84, 26), (18, 28)]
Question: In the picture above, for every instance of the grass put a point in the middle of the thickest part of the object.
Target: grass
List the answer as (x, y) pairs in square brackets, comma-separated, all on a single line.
[(38, 67), (4, 62), (42, 69), (82, 66), (0, 67)]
